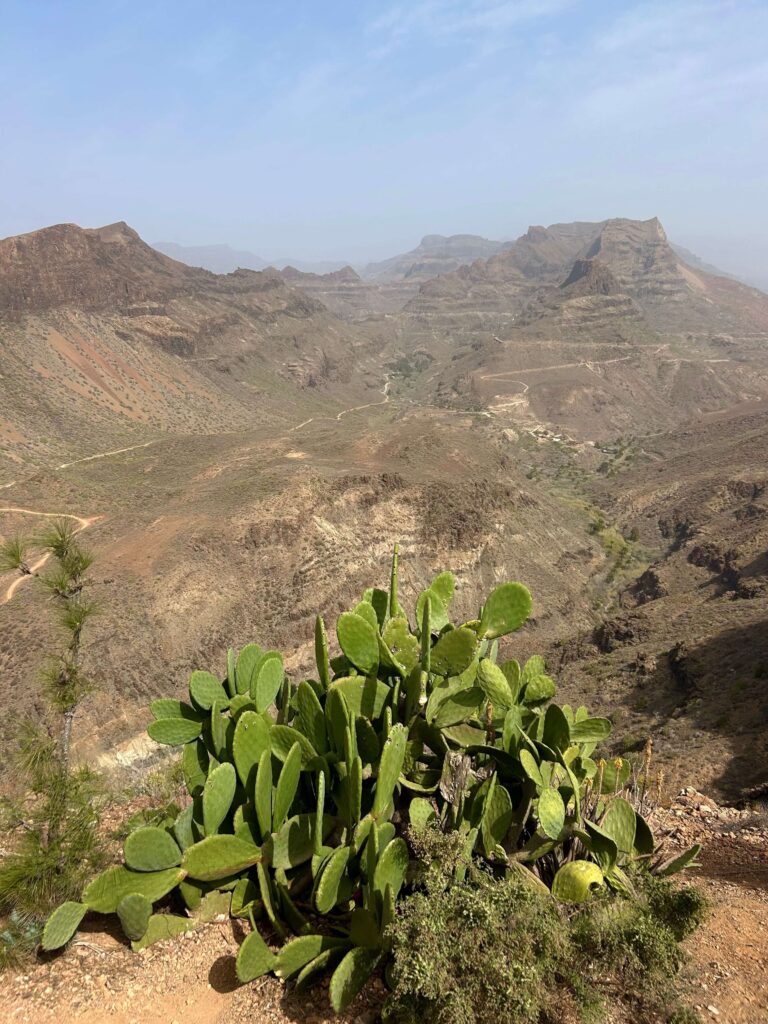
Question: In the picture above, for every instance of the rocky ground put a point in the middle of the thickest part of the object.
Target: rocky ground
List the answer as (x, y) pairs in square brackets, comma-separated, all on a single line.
[(192, 979)]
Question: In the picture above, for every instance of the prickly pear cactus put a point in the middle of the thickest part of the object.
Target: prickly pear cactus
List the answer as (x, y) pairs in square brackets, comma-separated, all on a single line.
[(301, 794)]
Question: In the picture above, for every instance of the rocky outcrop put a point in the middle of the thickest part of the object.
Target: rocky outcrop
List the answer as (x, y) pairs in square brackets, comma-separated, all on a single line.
[(434, 255), (612, 258)]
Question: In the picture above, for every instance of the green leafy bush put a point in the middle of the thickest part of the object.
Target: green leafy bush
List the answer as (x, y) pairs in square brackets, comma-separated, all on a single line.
[(302, 795), (501, 950)]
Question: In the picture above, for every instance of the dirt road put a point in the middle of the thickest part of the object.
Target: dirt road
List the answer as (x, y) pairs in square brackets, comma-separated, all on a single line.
[(345, 412)]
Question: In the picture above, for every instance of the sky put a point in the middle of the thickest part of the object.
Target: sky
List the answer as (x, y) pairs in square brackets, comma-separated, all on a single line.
[(347, 130)]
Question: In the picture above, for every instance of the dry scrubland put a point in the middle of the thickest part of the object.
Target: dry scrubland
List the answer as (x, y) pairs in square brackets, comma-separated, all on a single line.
[(580, 410)]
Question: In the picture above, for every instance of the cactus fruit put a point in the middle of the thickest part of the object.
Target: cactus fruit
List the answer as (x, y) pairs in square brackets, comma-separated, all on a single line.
[(576, 881), (151, 849), (62, 925), (134, 911)]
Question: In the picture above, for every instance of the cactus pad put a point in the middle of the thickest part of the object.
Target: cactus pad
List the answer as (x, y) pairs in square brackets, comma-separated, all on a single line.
[(245, 667), (174, 731), (619, 823), (151, 849), (205, 689), (359, 641), (287, 784), (551, 813), (327, 889), (62, 925), (162, 927), (134, 911), (390, 766), (107, 889), (505, 610), (494, 684), (250, 740), (217, 857), (454, 652), (218, 793), (267, 680), (254, 958), (350, 976)]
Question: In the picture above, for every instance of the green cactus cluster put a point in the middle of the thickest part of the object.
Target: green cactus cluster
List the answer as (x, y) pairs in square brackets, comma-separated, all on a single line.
[(303, 796)]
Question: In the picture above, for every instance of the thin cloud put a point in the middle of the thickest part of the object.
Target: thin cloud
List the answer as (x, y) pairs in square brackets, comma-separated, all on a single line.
[(448, 18)]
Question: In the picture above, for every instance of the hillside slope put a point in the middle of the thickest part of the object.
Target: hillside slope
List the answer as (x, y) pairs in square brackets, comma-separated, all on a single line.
[(99, 333)]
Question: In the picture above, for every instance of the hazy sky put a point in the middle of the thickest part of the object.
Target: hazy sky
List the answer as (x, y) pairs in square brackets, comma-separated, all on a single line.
[(325, 129)]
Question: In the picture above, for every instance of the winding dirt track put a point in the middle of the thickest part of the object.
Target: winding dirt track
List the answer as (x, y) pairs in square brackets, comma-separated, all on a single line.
[(587, 363), (345, 412), (85, 521), (83, 524), (102, 455)]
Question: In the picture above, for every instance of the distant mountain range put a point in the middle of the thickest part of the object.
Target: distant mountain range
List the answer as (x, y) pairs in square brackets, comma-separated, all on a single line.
[(434, 255), (223, 259)]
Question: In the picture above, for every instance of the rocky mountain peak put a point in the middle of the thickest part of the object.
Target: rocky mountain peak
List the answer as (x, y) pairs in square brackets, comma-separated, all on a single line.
[(591, 277)]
